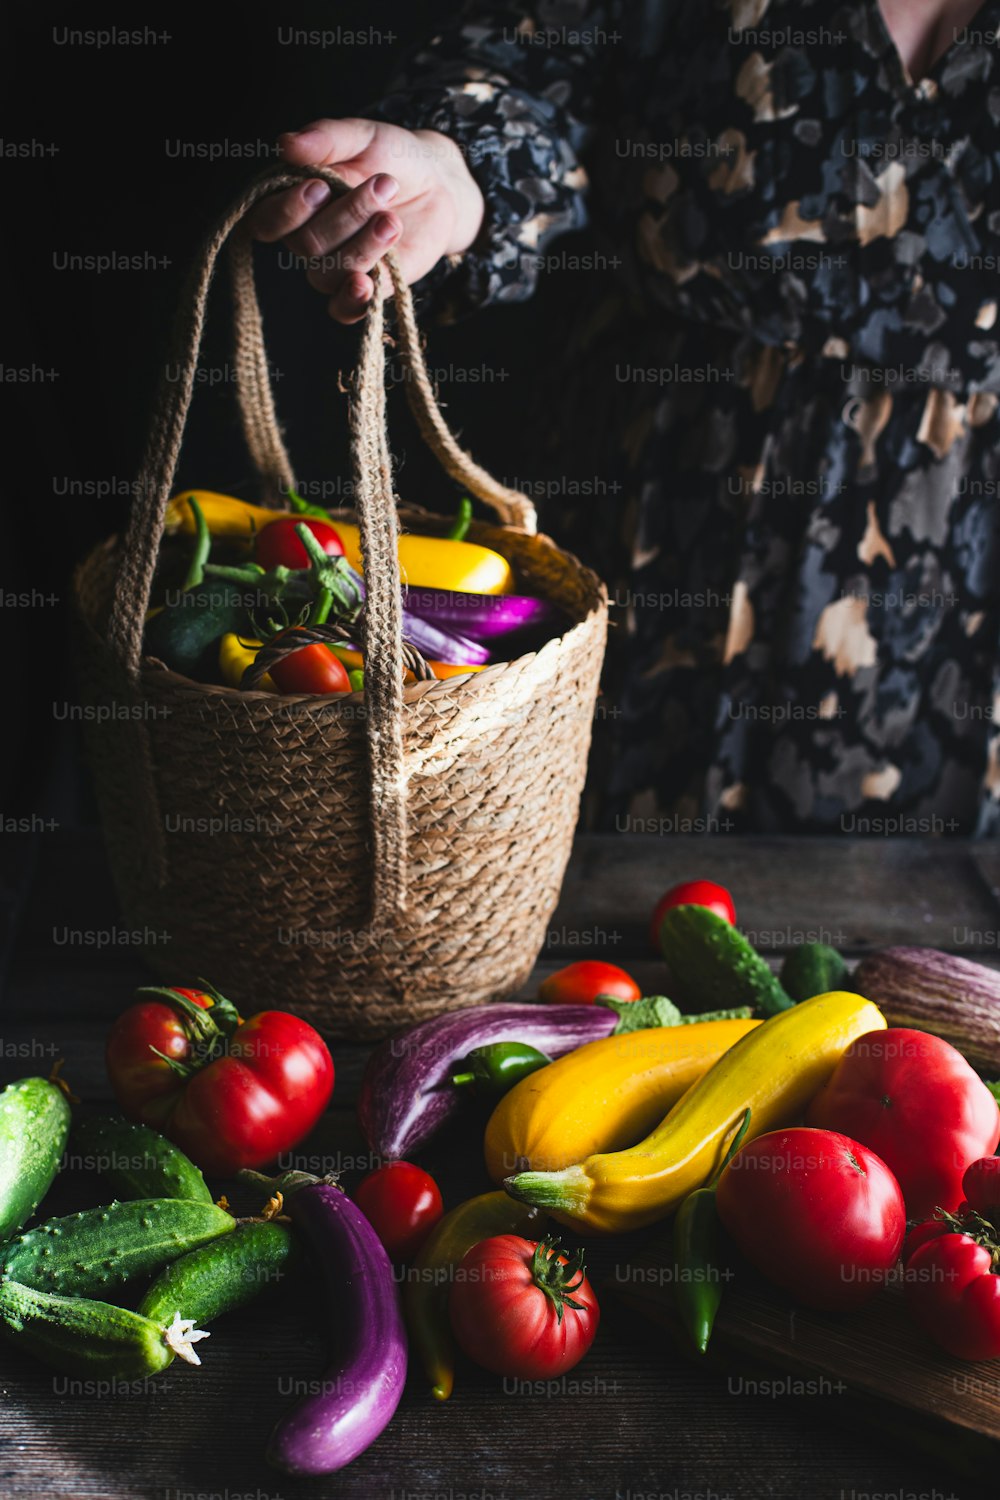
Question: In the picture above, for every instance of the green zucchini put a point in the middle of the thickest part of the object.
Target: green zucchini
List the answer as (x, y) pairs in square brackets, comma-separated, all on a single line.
[(714, 966), (813, 969), (81, 1337), (219, 1277), (85, 1254), (137, 1161), (34, 1123)]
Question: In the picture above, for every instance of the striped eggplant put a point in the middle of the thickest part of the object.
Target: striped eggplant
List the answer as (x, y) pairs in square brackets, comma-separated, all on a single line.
[(951, 997)]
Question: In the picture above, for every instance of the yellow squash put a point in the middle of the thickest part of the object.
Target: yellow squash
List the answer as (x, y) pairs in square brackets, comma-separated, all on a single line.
[(225, 515), (424, 561), (773, 1071), (605, 1095), (235, 655), (434, 562)]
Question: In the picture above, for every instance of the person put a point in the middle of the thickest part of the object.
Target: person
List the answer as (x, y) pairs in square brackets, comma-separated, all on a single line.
[(790, 379)]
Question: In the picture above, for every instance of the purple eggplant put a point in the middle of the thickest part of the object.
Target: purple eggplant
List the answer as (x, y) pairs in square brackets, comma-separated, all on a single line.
[(406, 1091), (484, 617), (434, 641), (364, 1382), (437, 644)]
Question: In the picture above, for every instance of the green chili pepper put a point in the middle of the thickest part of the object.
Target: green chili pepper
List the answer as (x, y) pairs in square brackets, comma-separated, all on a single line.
[(306, 508), (357, 680), (696, 1254), (494, 1069), (202, 547), (463, 520)]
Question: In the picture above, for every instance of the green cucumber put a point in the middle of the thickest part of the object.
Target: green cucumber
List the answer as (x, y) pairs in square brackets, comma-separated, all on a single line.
[(85, 1254), (219, 1277), (813, 969), (183, 633), (714, 966), (137, 1161), (34, 1123), (81, 1337)]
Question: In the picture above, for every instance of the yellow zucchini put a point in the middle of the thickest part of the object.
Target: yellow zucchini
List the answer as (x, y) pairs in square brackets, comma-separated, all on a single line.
[(225, 515), (424, 561), (773, 1071), (605, 1095), (434, 562)]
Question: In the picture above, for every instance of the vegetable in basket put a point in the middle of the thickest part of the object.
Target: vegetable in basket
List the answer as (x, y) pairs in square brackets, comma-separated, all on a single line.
[(425, 561)]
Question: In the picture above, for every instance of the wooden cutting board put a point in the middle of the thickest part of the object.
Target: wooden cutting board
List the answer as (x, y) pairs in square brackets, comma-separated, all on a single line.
[(775, 1347)]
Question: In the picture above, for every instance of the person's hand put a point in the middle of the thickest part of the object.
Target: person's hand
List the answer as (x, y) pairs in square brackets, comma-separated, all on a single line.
[(410, 191)]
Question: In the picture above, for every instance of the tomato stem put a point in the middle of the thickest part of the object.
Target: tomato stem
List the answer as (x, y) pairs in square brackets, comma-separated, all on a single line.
[(207, 1029), (556, 1277)]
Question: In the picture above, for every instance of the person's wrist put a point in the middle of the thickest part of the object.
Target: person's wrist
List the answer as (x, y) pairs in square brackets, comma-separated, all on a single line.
[(466, 195)]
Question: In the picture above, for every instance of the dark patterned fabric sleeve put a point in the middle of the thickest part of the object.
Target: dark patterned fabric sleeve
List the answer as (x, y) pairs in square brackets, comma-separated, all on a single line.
[(514, 87)]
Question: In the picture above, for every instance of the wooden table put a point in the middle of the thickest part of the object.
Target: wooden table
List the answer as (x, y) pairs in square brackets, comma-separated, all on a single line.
[(636, 1419)]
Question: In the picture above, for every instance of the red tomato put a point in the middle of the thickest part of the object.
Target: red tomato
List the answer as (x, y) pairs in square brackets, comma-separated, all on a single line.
[(915, 1100), (817, 1213), (278, 545), (692, 893), (954, 1294), (520, 1307), (929, 1229), (314, 669), (581, 983), (981, 1185), (402, 1203), (231, 1093)]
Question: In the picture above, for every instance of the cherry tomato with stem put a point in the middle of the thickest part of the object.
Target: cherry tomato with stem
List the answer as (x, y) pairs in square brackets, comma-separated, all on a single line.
[(402, 1203), (278, 545)]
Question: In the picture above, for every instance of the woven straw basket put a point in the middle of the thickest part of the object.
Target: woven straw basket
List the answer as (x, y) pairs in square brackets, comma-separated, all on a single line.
[(369, 860)]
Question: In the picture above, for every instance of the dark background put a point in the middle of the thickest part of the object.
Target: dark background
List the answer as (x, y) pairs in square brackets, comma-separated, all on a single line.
[(115, 183)]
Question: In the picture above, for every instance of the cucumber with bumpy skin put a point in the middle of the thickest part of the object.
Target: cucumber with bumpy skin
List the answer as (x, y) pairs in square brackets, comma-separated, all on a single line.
[(183, 634), (714, 965), (34, 1123), (85, 1254), (137, 1161), (81, 1337), (813, 969), (222, 1276)]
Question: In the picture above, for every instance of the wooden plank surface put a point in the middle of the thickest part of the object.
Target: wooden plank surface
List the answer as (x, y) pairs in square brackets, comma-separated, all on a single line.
[(636, 1418), (876, 1350)]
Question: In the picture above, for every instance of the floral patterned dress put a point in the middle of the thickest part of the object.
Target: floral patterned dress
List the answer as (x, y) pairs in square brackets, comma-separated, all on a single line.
[(785, 379)]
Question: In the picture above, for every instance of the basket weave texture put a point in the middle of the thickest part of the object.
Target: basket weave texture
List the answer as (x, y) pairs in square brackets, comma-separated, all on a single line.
[(367, 861)]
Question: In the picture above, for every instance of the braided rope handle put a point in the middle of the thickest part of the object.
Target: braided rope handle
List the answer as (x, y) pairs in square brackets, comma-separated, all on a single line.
[(375, 499)]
